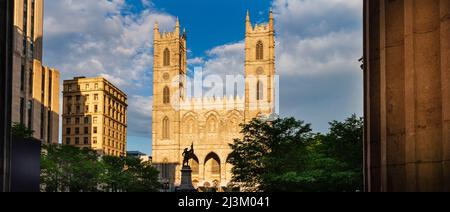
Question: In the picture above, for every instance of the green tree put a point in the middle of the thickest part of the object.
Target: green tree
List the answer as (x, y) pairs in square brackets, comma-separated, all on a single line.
[(144, 176), (128, 174), (284, 155), (19, 130), (344, 144), (267, 151), (67, 168), (70, 169)]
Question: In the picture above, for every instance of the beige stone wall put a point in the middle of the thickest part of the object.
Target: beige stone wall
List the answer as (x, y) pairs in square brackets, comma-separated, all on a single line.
[(210, 124), (28, 73), (407, 88), (46, 95), (95, 115)]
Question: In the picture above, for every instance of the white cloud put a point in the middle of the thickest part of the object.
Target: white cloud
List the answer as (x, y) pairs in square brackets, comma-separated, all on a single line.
[(100, 38), (307, 18), (92, 38), (195, 61), (226, 59), (140, 115), (333, 52)]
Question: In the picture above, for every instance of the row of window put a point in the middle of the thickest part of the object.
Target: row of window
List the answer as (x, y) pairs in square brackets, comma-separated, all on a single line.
[(87, 87), (115, 94), (116, 115), (69, 109), (113, 104), (85, 120), (78, 98), (76, 87), (108, 122), (87, 109), (110, 133), (87, 97), (77, 130), (77, 141), (86, 141), (114, 144), (115, 125), (112, 152)]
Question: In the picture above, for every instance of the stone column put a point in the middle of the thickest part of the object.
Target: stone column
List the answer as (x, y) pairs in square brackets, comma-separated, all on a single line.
[(407, 95)]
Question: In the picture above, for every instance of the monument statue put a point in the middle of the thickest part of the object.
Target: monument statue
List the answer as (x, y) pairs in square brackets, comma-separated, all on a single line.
[(186, 171), (187, 155)]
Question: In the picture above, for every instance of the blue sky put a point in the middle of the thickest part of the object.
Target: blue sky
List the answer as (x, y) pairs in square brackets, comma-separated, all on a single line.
[(213, 23), (318, 45)]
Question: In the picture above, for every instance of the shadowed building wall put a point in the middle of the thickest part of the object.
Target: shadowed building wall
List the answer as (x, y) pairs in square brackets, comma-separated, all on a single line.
[(35, 92), (407, 95)]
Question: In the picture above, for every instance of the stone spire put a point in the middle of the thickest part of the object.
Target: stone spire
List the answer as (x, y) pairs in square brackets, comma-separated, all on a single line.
[(177, 27), (271, 20), (156, 34), (248, 24)]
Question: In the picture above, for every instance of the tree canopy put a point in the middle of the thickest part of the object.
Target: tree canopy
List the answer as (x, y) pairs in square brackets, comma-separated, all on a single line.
[(19, 130), (285, 155), (70, 169)]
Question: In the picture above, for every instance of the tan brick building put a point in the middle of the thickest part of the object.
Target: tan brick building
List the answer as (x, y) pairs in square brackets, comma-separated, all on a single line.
[(210, 124), (35, 99), (95, 115)]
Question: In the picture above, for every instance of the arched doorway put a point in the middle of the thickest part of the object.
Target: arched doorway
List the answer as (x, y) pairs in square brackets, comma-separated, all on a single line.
[(212, 168)]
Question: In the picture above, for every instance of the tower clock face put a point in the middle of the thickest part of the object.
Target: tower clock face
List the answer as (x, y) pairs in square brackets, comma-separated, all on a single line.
[(166, 76)]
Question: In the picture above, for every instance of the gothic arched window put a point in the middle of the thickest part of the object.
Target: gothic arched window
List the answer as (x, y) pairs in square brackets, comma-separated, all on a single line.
[(190, 125), (259, 51), (166, 57), (166, 95), (166, 128), (212, 124), (260, 91)]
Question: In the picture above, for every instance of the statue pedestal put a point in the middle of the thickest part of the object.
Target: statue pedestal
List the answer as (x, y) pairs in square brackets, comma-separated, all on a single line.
[(186, 180)]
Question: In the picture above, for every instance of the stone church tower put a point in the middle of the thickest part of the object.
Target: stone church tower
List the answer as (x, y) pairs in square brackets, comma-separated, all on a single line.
[(259, 68), (169, 63), (210, 124)]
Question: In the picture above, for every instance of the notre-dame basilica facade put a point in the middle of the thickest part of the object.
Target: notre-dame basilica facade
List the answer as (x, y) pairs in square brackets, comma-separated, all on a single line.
[(211, 124)]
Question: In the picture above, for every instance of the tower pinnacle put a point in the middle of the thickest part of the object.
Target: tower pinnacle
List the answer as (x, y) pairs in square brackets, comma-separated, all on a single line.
[(248, 24), (177, 27)]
